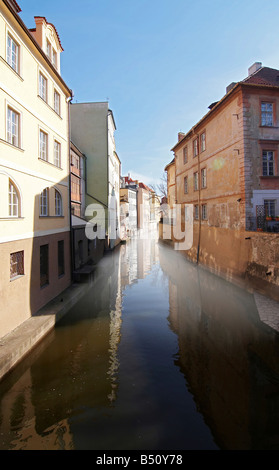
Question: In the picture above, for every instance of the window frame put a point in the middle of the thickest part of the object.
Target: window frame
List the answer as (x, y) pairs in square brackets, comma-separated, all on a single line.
[(43, 149), (267, 162), (11, 137), (204, 211), (264, 114), (56, 108), (186, 188), (267, 203), (196, 212), (11, 203), (9, 55), (203, 178), (57, 153), (16, 259), (185, 154), (196, 181), (61, 258), (58, 203), (203, 142), (196, 147), (43, 90), (44, 202)]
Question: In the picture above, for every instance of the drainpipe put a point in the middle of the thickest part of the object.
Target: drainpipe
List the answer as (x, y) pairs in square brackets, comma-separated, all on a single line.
[(199, 200), (70, 188)]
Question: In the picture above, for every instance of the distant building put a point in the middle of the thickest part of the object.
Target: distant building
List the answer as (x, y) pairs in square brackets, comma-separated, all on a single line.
[(92, 131), (34, 168)]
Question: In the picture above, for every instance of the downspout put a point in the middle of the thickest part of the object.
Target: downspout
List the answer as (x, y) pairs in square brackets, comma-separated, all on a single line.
[(70, 189), (199, 199)]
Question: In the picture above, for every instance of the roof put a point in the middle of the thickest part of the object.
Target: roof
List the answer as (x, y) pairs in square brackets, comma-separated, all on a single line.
[(171, 163), (264, 76), (52, 25), (15, 5)]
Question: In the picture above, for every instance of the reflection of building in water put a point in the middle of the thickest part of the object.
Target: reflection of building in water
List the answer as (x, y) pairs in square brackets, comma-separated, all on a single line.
[(229, 358), (137, 258), (76, 371)]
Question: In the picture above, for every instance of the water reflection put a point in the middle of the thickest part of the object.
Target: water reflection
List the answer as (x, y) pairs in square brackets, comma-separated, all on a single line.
[(228, 356), (159, 354)]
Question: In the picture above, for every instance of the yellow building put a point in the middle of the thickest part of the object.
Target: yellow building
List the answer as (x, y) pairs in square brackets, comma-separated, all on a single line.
[(34, 168)]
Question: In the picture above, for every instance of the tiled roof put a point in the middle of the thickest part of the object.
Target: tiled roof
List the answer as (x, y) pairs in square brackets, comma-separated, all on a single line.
[(264, 76)]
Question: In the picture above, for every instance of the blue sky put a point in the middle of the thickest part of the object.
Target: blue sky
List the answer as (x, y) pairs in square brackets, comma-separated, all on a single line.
[(159, 63)]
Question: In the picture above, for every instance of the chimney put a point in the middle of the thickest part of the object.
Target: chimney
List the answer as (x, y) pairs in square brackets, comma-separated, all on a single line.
[(230, 87), (254, 68), (180, 136)]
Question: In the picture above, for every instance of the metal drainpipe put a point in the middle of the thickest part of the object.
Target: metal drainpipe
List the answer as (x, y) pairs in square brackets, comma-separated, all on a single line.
[(199, 199)]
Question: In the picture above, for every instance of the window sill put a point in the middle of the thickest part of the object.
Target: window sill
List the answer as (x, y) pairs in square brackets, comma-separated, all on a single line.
[(49, 163), (16, 277), (11, 68), (51, 216), (271, 177), (12, 145), (50, 107), (12, 218)]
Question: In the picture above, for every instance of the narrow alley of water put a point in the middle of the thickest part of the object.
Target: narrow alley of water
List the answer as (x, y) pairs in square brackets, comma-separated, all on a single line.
[(159, 354)]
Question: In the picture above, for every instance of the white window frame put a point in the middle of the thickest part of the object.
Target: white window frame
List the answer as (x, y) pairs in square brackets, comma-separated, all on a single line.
[(57, 153), (43, 86), (58, 204), (268, 204), (43, 145), (57, 102), (14, 200), (13, 53), (44, 196), (54, 58), (13, 126)]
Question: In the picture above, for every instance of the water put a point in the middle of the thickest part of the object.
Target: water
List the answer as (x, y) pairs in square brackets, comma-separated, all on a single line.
[(159, 354)]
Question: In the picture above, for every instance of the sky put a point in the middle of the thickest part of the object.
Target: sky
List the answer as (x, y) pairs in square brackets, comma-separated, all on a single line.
[(159, 63)]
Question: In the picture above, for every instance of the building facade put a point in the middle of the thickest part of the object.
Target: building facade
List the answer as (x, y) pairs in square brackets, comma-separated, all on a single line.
[(34, 168), (92, 129), (226, 168)]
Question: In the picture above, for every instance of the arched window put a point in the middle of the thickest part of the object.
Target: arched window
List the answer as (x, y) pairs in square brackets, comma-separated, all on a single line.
[(58, 203), (44, 203), (13, 200)]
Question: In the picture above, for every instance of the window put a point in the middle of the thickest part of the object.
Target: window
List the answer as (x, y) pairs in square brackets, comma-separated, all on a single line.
[(16, 264), (48, 49), (203, 178), (54, 58), (185, 154), (43, 146), (12, 53), (186, 185), (58, 203), (75, 161), (196, 181), (43, 87), (44, 280), (56, 102), (204, 211), (268, 163), (203, 142), (13, 201), (196, 212), (12, 127), (61, 259), (44, 203), (267, 114), (269, 206), (57, 153), (196, 147)]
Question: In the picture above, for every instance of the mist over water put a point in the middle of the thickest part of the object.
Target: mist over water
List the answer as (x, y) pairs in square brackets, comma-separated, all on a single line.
[(159, 354)]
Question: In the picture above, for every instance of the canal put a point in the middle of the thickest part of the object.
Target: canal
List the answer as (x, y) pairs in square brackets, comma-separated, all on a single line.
[(159, 354)]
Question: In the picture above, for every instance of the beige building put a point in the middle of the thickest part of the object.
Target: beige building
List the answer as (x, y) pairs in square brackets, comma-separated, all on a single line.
[(34, 168)]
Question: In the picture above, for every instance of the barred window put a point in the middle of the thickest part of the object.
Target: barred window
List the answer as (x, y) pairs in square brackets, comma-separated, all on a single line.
[(16, 264)]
